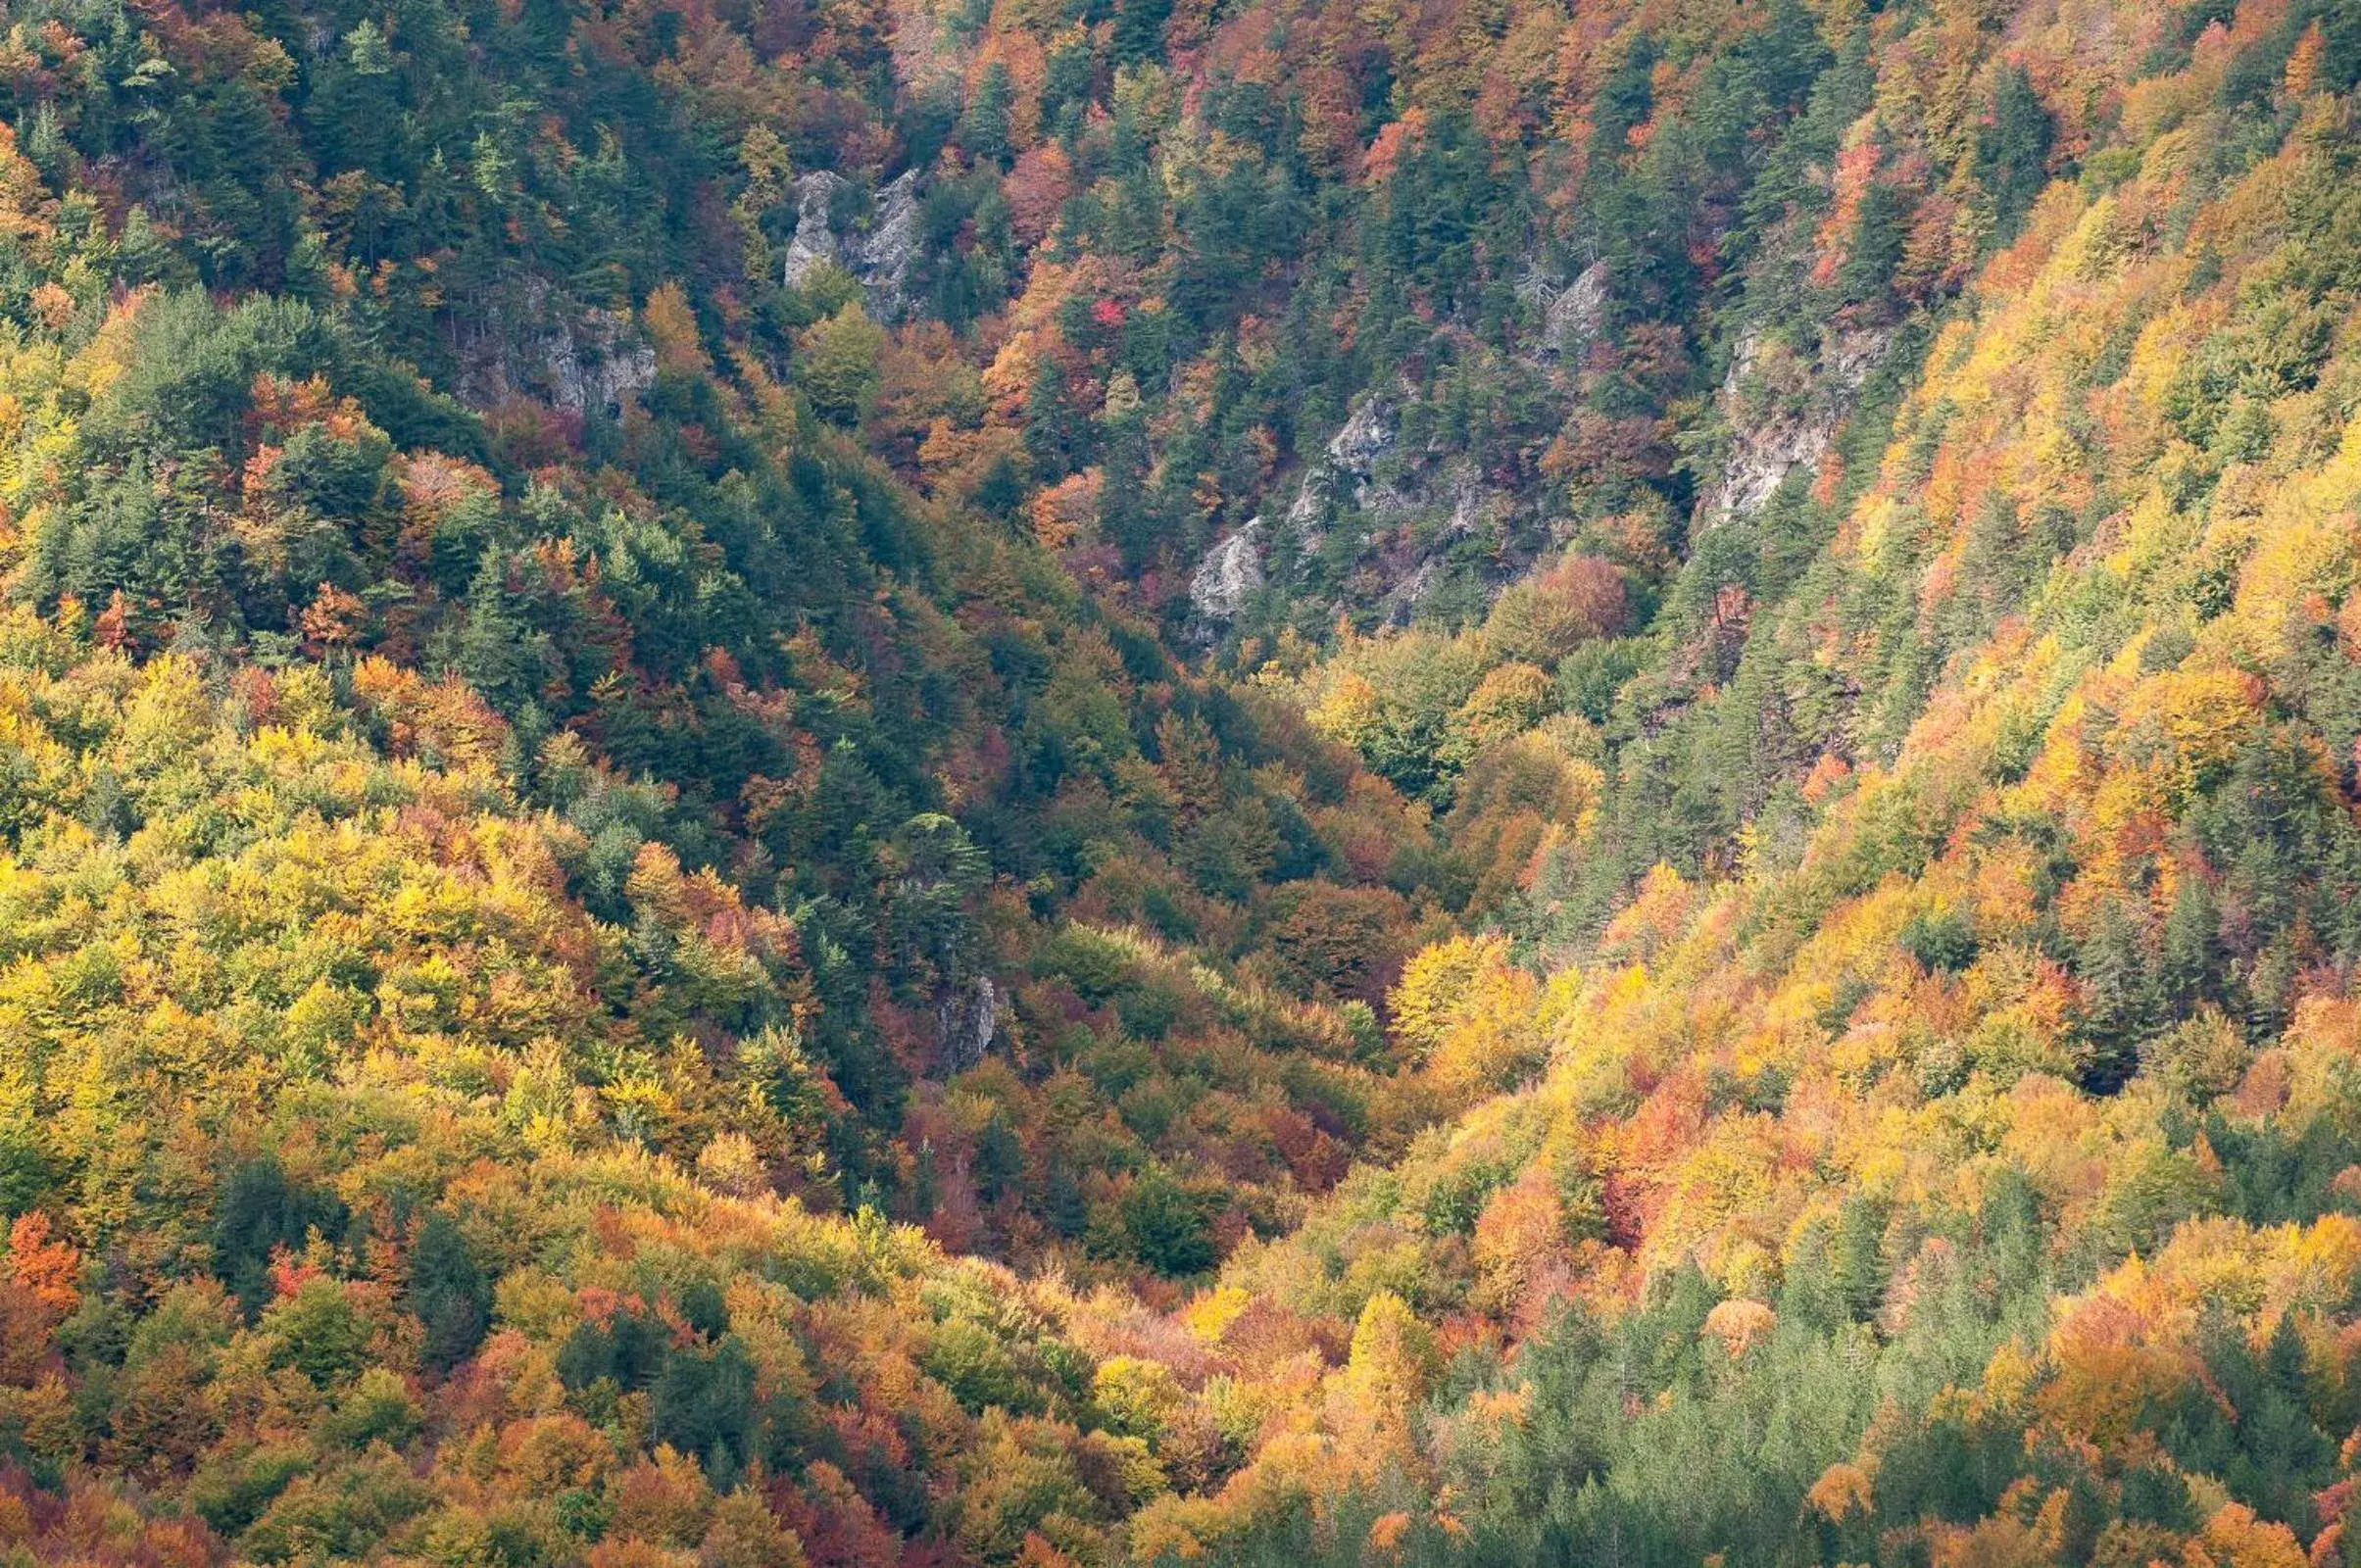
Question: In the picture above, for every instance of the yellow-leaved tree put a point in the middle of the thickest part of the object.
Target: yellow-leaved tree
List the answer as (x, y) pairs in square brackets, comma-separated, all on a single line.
[(1467, 1014)]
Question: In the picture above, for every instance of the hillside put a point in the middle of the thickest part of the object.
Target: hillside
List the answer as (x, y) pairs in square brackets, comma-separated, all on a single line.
[(801, 782)]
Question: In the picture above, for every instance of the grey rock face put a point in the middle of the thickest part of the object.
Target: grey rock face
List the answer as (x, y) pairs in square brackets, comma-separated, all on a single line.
[(1230, 573), (1395, 495), (965, 1022), (892, 240), (1765, 448), (814, 242), (587, 365), (1347, 472), (1400, 602), (1368, 435), (1412, 505), (879, 257), (1571, 313), (599, 365)]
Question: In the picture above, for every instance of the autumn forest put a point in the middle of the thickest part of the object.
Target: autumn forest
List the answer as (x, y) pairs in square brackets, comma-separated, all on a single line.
[(921, 783)]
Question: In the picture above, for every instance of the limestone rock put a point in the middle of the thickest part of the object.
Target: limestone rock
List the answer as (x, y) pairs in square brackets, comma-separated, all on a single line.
[(1574, 317), (966, 1020), (1229, 575), (1571, 313), (814, 243), (1794, 428), (1347, 472), (879, 256), (522, 346), (892, 243), (596, 365)]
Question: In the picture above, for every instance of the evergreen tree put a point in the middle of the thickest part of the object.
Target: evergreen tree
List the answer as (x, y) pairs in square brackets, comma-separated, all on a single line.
[(2190, 967), (2117, 978), (984, 127), (1139, 31), (2012, 151), (448, 1293)]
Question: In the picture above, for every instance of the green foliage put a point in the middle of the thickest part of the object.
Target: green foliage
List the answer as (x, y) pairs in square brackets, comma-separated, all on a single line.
[(264, 1215), (319, 1333), (1941, 940), (836, 364), (1165, 1227), (448, 1293), (703, 1403), (543, 766)]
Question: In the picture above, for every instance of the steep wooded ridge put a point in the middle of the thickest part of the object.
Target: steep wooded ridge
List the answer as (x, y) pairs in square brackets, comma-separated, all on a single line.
[(806, 782)]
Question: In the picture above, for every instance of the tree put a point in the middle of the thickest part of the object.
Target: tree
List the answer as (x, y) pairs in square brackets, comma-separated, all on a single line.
[(262, 1214), (2117, 978), (1165, 1225), (2012, 150), (2190, 968), (1139, 31), (448, 1293), (703, 1404), (984, 127), (837, 365)]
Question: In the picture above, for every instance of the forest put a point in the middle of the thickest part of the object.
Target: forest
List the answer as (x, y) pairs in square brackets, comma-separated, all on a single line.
[(1070, 783)]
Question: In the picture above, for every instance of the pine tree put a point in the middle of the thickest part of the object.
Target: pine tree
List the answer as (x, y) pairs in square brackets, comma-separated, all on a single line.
[(1139, 31), (448, 1293), (2119, 999), (984, 127), (1856, 1261), (2190, 971), (2012, 151)]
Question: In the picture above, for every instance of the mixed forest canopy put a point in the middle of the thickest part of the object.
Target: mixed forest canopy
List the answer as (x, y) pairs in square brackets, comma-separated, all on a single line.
[(906, 783)]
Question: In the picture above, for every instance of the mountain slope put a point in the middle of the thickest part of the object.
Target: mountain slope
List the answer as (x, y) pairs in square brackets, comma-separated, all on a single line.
[(1720, 928), (1968, 1175)]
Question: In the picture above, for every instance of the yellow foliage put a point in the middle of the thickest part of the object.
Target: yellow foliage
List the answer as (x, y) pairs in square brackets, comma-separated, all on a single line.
[(2233, 1537), (1394, 1361), (672, 327), (1739, 1325), (1842, 1490), (1468, 1013), (1211, 1314)]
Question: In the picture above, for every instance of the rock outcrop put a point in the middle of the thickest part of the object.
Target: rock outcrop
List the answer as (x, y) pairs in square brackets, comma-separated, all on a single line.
[(1572, 313), (877, 256), (1403, 508), (1229, 575), (585, 362), (966, 1020), (1786, 425), (1347, 473)]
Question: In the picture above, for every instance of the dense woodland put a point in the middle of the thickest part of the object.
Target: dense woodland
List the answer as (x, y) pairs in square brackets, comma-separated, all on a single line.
[(906, 783)]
